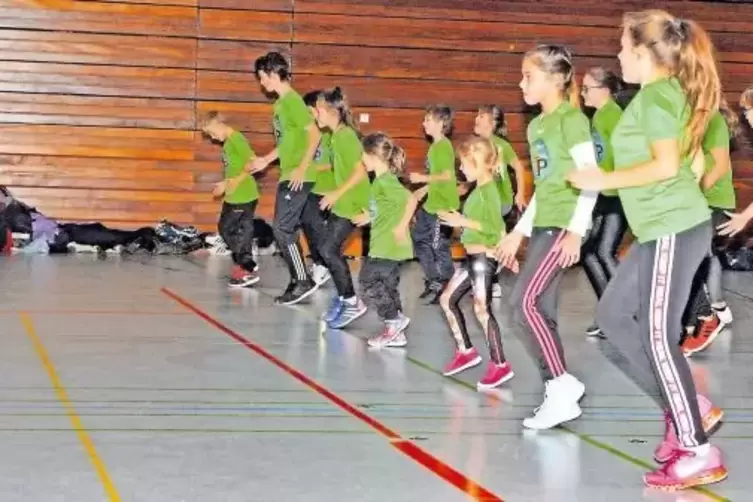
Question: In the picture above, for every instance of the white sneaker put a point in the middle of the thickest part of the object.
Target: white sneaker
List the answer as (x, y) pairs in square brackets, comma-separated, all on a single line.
[(724, 315), (496, 290), (560, 404), (320, 274)]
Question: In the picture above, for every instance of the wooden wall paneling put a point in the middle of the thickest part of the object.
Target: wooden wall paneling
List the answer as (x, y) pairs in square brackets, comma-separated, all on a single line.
[(228, 86), (98, 17), (245, 25), (257, 5), (227, 56)]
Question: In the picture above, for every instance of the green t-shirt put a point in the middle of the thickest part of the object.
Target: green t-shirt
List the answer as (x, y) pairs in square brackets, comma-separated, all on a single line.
[(602, 125), (236, 152), (658, 112), (291, 118), (506, 156), (325, 180), (443, 195), (346, 154), (722, 194), (389, 199), (484, 206), (550, 138)]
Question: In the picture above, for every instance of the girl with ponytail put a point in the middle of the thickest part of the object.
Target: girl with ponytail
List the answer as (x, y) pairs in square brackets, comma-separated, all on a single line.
[(600, 89), (390, 211), (556, 221), (656, 147), (333, 113)]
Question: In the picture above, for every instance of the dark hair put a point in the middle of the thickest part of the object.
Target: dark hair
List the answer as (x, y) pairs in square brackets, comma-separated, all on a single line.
[(211, 116), (732, 120), (381, 146), (607, 78), (310, 98), (443, 114), (273, 63), (557, 60), (746, 98), (498, 118), (336, 100)]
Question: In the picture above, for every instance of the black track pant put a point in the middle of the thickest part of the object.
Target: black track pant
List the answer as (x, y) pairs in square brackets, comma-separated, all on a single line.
[(602, 243), (236, 227)]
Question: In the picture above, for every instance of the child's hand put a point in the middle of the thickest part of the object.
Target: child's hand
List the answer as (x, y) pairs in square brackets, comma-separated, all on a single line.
[(361, 220), (418, 178), (507, 249), (588, 179), (420, 193), (520, 201), (219, 189), (328, 200), (232, 184), (569, 250), (735, 225), (401, 233), (451, 218), (256, 165)]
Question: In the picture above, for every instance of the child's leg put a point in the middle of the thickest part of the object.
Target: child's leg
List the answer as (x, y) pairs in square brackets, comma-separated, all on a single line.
[(613, 231), (245, 237), (422, 234), (534, 300), (375, 287), (483, 270), (313, 223), (288, 208), (459, 285), (331, 250), (592, 266), (442, 252)]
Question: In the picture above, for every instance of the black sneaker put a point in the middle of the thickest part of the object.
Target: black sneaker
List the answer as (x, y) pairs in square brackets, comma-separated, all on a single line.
[(427, 290), (296, 292), (245, 281), (594, 330), (435, 292)]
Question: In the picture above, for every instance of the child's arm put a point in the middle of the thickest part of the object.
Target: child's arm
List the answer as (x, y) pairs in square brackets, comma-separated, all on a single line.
[(257, 164), (737, 222), (299, 174), (401, 230), (359, 174), (721, 167), (430, 178), (520, 180), (324, 167)]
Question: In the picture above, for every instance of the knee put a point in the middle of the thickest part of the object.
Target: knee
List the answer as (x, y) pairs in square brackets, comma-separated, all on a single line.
[(445, 300), (481, 309)]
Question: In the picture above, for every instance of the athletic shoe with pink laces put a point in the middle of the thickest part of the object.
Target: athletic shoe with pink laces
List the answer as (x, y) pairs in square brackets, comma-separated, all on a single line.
[(686, 469), (710, 415), (496, 375), (462, 361)]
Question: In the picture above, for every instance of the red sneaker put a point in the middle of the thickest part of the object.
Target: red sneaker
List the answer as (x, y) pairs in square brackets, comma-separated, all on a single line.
[(704, 335), (496, 375), (462, 361), (238, 273), (710, 415), (687, 469)]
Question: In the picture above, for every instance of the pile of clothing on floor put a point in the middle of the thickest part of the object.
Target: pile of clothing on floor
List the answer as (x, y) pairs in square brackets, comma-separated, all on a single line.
[(24, 229)]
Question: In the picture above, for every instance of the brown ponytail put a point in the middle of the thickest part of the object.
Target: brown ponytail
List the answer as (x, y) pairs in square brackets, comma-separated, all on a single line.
[(685, 49), (557, 60), (381, 146)]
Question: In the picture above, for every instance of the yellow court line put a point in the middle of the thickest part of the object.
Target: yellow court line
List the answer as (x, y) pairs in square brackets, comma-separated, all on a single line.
[(62, 395)]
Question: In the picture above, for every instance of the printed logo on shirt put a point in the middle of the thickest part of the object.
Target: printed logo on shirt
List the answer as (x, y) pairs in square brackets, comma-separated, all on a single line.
[(372, 209), (599, 145), (225, 160), (501, 166), (277, 129), (318, 153), (540, 163), (427, 166)]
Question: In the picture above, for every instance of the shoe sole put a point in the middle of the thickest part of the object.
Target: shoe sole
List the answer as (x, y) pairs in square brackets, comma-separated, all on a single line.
[(245, 284), (390, 344), (575, 413), (594, 332), (709, 478), (351, 320), (488, 386), (709, 421), (468, 365), (300, 298), (709, 340)]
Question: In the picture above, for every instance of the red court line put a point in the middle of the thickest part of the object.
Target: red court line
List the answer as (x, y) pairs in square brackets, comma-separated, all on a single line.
[(94, 312), (404, 446)]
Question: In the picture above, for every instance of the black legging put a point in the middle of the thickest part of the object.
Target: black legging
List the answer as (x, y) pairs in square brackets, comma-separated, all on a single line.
[(331, 249), (603, 241), (477, 273)]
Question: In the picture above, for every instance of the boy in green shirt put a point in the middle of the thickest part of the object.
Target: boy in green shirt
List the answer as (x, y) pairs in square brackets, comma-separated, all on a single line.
[(430, 239), (297, 138), (236, 225)]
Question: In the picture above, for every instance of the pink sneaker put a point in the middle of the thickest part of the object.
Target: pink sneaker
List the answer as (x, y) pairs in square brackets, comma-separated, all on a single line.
[(687, 469), (462, 361), (390, 337), (496, 375), (711, 415)]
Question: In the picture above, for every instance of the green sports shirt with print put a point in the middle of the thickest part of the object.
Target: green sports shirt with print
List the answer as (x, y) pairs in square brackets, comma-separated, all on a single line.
[(389, 199), (236, 152), (658, 112), (551, 136), (290, 120), (443, 195), (346, 154), (603, 122), (325, 180), (507, 156), (722, 194), (483, 205)]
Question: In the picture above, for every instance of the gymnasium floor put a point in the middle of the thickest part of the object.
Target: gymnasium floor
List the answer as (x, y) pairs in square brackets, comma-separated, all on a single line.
[(147, 380)]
